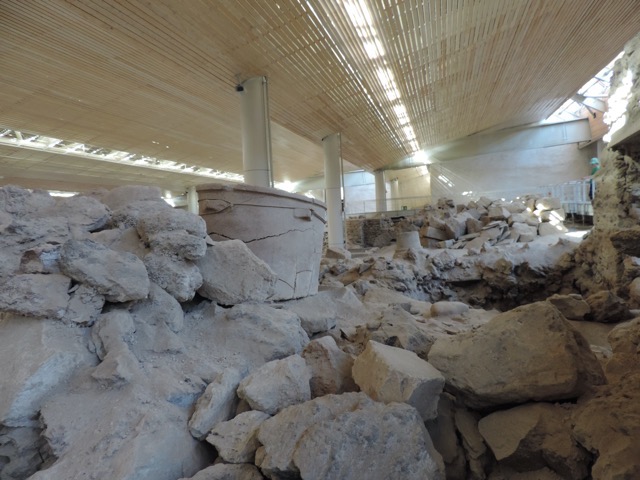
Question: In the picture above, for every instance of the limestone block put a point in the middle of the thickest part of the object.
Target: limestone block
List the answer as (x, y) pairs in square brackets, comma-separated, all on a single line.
[(389, 374), (330, 368), (436, 234), (474, 225), (236, 440), (384, 296), (85, 305), (261, 331), (217, 403), (232, 274), (338, 253), (178, 242), (606, 307), (38, 357), (118, 367), (534, 436), (456, 226), (556, 215), (37, 295), (498, 213), (572, 306), (508, 359), (376, 442), (277, 384), (82, 212), (224, 471), (445, 308), (179, 278), (548, 203), (321, 312), (400, 329), (523, 232), (158, 308), (119, 276), (281, 434), (546, 228)]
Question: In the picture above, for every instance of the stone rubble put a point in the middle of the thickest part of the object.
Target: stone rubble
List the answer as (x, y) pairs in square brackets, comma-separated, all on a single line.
[(124, 361)]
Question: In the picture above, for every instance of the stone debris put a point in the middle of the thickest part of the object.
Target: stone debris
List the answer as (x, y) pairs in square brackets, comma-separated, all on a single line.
[(390, 374), (120, 363)]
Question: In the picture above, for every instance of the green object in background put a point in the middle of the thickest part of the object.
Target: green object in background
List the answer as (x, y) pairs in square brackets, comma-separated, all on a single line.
[(595, 165)]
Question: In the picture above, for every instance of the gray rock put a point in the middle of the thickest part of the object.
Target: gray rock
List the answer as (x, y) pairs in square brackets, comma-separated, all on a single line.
[(237, 439), (223, 471), (159, 307), (85, 305), (389, 374), (330, 368), (375, 442), (118, 276), (83, 212), (546, 228), (277, 384), (217, 403), (399, 328), (180, 278), (41, 259), (509, 359), (169, 220), (19, 201), (128, 194), (37, 295), (232, 274), (127, 215), (572, 306), (178, 242)]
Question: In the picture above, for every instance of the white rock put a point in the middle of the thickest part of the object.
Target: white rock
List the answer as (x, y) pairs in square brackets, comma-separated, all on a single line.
[(217, 403), (546, 228), (509, 359), (119, 276), (330, 367), (232, 274), (389, 374), (548, 203), (446, 308), (37, 295), (277, 384), (237, 439), (376, 442)]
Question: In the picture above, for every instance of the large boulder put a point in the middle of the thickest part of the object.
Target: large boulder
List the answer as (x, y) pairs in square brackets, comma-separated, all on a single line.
[(534, 436), (330, 367), (82, 212), (119, 276), (277, 384), (529, 353), (389, 374), (232, 274), (180, 278)]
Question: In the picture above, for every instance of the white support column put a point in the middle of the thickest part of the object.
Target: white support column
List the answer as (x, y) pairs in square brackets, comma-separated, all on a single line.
[(333, 184), (381, 191), (192, 200), (395, 194), (256, 132)]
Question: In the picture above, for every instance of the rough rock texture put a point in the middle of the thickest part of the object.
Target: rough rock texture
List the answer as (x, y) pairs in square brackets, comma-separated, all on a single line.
[(36, 295), (533, 436), (180, 278), (232, 274), (223, 471), (607, 307), (236, 440), (330, 368), (277, 384), (389, 374), (508, 359), (625, 345), (572, 307)]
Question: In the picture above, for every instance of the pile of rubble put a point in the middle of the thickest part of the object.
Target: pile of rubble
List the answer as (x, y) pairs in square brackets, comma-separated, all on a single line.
[(473, 226)]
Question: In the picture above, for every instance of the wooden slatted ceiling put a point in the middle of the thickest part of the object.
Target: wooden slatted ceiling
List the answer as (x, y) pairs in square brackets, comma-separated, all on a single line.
[(141, 76)]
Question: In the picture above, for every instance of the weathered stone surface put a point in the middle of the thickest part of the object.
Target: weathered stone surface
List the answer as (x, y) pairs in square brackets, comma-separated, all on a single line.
[(37, 295), (548, 203), (128, 215), (169, 220), (385, 297), (473, 444), (20, 201), (330, 368), (608, 425), (159, 307), (84, 306), (399, 328), (337, 252), (389, 374), (178, 242), (223, 471), (281, 434), (179, 278), (508, 360), (236, 440), (547, 228), (445, 308), (442, 431), (606, 307), (217, 403), (232, 274), (38, 357), (277, 385), (127, 194), (118, 276), (572, 307), (523, 232), (533, 436), (376, 442), (261, 331), (83, 212), (625, 343)]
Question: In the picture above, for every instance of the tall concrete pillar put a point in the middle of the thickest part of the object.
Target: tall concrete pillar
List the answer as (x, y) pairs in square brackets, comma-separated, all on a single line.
[(381, 191), (395, 194), (256, 132), (333, 188), (192, 200)]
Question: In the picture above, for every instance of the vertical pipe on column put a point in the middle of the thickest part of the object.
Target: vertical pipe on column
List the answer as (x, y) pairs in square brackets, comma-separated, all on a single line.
[(192, 200), (256, 132), (333, 188), (395, 194), (381, 191)]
